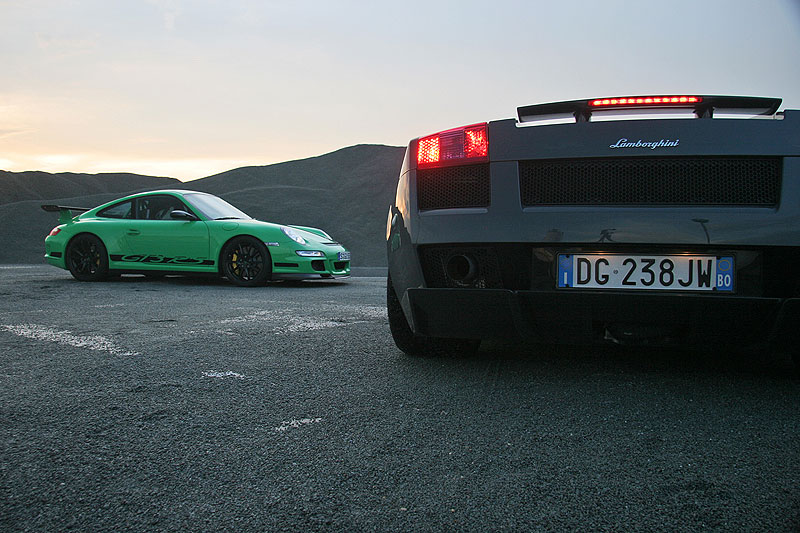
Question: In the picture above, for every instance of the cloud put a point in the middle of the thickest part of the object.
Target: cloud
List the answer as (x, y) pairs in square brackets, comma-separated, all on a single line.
[(9, 133), (64, 45), (59, 160), (169, 12)]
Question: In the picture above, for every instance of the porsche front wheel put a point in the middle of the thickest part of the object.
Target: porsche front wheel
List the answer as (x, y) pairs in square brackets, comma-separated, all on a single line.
[(87, 259), (246, 262)]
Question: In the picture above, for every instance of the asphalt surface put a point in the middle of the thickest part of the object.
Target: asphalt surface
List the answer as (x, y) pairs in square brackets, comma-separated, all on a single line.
[(194, 405)]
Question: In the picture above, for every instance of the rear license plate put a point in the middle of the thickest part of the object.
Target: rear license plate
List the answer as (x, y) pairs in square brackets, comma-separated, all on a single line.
[(344, 256), (648, 272)]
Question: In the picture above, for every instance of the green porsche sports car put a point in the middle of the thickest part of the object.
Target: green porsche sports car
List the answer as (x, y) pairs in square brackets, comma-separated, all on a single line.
[(180, 232)]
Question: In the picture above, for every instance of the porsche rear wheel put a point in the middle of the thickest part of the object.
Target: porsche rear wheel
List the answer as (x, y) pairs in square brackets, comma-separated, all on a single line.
[(87, 259), (419, 345), (246, 262)]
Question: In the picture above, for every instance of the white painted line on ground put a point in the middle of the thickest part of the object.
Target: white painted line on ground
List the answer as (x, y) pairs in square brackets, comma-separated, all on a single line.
[(297, 423), (298, 324), (326, 316), (371, 311), (44, 333), (227, 374), (252, 317)]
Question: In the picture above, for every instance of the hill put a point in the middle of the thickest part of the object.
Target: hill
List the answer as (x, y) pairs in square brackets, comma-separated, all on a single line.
[(346, 192), (20, 186)]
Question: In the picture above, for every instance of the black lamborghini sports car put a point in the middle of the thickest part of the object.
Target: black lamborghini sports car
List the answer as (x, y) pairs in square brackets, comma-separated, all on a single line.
[(634, 220)]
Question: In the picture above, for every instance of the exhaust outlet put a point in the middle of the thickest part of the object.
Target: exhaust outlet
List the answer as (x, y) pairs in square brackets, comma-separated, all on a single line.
[(463, 269)]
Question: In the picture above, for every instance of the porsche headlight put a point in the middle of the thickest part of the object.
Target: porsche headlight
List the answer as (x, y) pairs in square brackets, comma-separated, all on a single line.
[(294, 235)]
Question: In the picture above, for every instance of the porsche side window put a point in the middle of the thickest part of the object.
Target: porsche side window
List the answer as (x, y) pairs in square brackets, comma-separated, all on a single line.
[(158, 207), (120, 210)]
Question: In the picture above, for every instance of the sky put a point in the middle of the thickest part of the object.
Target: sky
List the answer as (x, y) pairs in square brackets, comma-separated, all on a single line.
[(190, 88)]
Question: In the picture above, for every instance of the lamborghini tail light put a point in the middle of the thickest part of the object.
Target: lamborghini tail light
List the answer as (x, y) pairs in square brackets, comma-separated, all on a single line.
[(469, 144), (428, 150)]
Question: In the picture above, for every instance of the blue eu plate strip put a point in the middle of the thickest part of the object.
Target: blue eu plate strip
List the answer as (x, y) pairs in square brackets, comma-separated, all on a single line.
[(565, 271)]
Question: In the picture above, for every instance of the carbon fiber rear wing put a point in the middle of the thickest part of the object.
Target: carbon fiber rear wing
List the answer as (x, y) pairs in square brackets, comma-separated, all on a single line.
[(702, 106), (64, 212)]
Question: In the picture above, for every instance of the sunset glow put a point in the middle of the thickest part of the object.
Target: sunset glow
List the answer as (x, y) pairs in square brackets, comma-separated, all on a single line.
[(191, 88)]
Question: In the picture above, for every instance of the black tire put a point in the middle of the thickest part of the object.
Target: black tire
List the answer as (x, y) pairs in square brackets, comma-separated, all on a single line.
[(246, 262), (87, 258), (418, 345)]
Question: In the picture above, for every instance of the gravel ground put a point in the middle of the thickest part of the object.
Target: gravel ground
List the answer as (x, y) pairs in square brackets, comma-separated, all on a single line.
[(194, 405)]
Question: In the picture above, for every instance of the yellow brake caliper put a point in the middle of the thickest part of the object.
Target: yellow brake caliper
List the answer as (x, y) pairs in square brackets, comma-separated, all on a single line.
[(235, 263)]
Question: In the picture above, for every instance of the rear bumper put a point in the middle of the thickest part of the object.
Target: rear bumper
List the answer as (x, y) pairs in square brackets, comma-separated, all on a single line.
[(587, 317), (56, 259)]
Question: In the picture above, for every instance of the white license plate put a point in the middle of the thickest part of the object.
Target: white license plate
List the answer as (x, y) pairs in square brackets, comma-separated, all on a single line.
[(344, 256), (648, 272)]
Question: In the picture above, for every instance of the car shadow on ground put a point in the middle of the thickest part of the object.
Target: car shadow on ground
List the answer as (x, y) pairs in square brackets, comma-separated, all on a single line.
[(207, 280), (600, 359)]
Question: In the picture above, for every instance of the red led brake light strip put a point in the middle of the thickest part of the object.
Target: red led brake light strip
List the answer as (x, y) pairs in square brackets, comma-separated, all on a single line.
[(646, 101)]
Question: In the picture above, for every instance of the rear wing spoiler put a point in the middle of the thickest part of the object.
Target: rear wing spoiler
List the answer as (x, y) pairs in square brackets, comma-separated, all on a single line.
[(64, 212), (703, 106)]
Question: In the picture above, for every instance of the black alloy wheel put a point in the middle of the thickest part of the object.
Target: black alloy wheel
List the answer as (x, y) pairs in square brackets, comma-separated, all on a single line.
[(87, 259), (246, 262)]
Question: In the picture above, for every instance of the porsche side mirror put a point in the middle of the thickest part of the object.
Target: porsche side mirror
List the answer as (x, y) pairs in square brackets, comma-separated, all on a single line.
[(182, 215)]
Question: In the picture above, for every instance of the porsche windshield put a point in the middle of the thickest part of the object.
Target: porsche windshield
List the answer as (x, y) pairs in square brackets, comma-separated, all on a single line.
[(215, 208)]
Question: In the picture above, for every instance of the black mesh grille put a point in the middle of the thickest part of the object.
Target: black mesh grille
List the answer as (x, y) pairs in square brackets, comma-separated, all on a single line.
[(742, 181), (449, 187)]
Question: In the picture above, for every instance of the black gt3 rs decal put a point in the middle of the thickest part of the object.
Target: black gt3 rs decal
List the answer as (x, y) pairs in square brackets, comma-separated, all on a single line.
[(160, 259)]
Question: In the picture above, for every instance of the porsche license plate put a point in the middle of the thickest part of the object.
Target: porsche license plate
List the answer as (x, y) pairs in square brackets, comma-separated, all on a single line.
[(649, 272)]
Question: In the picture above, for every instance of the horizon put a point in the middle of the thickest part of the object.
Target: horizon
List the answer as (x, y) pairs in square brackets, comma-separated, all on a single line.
[(189, 89), (200, 177)]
